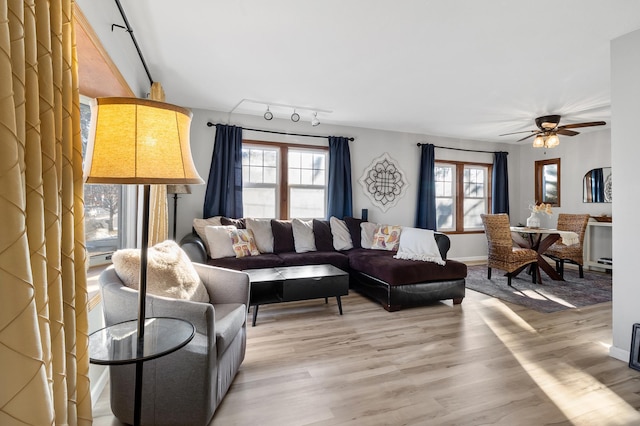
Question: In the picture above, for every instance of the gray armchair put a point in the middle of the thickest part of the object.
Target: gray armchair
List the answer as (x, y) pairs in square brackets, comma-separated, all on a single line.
[(187, 386)]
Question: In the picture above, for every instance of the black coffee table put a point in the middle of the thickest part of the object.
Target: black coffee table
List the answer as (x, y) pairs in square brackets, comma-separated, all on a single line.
[(293, 283)]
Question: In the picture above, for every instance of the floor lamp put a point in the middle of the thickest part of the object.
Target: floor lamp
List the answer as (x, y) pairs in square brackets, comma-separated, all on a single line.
[(175, 190), (139, 142)]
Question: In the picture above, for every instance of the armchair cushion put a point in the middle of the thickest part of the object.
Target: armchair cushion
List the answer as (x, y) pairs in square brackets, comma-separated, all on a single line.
[(170, 273)]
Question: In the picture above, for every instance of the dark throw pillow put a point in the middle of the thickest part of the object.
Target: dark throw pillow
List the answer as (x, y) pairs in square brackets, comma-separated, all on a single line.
[(323, 235), (353, 225), (238, 223), (283, 241)]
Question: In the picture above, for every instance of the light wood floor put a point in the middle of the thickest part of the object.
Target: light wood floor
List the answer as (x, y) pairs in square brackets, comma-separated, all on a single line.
[(480, 363)]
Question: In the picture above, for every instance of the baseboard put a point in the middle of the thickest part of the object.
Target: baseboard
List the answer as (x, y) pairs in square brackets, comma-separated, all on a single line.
[(472, 259), (97, 386), (618, 353)]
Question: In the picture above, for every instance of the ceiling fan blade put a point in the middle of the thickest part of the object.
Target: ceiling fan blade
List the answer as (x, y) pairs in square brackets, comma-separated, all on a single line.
[(576, 125), (516, 133), (567, 132), (527, 137)]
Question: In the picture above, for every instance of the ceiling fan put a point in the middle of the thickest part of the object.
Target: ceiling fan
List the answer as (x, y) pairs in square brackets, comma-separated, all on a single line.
[(548, 130)]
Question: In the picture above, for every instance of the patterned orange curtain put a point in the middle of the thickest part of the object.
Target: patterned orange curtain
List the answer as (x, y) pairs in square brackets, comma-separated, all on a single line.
[(44, 360)]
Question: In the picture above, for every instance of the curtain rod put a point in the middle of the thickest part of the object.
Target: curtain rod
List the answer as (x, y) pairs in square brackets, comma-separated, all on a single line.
[(210, 124), (459, 149), (128, 28)]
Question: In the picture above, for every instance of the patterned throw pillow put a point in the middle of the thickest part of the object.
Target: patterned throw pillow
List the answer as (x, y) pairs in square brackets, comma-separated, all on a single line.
[(387, 237), (243, 242)]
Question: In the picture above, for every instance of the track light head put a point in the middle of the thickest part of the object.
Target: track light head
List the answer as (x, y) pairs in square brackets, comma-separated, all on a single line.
[(314, 121), (268, 115), (295, 117)]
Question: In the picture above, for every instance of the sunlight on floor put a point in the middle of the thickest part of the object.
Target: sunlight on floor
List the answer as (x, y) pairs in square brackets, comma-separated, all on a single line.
[(515, 318), (573, 391), (540, 295)]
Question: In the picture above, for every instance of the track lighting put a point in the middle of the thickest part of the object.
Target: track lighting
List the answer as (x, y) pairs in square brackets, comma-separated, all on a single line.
[(268, 115), (314, 120), (295, 117)]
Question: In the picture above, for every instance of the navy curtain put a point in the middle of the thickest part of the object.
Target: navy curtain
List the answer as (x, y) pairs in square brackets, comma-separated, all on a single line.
[(340, 202), (426, 214), (597, 186), (500, 184), (223, 196)]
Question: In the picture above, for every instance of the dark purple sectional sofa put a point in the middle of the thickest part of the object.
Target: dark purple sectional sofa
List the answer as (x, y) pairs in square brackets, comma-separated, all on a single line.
[(394, 283)]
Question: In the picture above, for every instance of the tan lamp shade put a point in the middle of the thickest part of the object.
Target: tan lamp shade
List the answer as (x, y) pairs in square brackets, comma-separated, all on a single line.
[(178, 189), (139, 141)]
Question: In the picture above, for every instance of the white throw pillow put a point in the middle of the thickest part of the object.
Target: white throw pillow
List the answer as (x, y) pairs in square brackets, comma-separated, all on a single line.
[(367, 231), (262, 233), (419, 244), (170, 273), (341, 236), (219, 241), (200, 224), (303, 237)]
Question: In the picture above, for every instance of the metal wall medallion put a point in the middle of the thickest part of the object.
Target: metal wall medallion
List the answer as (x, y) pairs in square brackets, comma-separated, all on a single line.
[(383, 182)]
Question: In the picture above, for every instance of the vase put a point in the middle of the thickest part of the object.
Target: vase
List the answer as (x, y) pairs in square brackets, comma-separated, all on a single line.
[(533, 221)]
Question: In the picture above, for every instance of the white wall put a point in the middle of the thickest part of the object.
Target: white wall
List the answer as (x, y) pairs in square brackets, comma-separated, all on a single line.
[(625, 152), (578, 154), (368, 144)]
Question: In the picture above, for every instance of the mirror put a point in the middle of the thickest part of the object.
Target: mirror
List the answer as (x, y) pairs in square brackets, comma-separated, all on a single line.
[(547, 175), (597, 186)]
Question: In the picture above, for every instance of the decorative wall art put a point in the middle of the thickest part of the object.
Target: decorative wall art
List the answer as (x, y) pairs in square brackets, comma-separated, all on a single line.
[(383, 182)]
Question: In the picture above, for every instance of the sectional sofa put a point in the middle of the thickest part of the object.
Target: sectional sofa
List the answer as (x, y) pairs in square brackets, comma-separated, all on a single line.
[(378, 274)]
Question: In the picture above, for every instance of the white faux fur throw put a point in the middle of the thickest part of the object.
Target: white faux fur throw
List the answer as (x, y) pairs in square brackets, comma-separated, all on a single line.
[(169, 272)]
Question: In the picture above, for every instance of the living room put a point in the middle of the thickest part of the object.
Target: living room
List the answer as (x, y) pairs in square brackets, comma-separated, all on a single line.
[(611, 146)]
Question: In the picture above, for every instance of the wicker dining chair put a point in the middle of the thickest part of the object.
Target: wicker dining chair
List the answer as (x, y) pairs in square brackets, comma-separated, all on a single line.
[(501, 251), (574, 253)]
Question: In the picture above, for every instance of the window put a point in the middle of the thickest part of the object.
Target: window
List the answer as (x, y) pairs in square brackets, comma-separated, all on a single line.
[(103, 207), (462, 195), (268, 192), (547, 187)]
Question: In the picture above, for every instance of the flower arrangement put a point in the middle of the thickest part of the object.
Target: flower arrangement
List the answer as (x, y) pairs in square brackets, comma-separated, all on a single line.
[(541, 208)]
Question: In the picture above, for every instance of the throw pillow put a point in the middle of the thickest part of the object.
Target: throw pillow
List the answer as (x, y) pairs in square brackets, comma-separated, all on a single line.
[(219, 242), (387, 237), (200, 224), (238, 223), (282, 236), (367, 230), (170, 273), (243, 242), (322, 234), (353, 225), (340, 233), (262, 232), (419, 244), (303, 238)]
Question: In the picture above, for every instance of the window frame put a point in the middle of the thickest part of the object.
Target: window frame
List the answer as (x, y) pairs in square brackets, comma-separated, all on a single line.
[(282, 173), (459, 194), (123, 219)]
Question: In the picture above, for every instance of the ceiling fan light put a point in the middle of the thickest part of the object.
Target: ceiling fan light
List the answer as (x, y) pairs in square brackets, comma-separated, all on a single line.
[(552, 141), (539, 141)]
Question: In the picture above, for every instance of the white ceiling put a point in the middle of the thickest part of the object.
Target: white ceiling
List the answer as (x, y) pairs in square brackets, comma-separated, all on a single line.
[(466, 69)]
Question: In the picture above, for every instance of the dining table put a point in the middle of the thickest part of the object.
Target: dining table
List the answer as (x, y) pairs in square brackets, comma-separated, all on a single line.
[(540, 239)]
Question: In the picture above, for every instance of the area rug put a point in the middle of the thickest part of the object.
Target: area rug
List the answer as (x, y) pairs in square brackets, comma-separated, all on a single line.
[(550, 296)]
